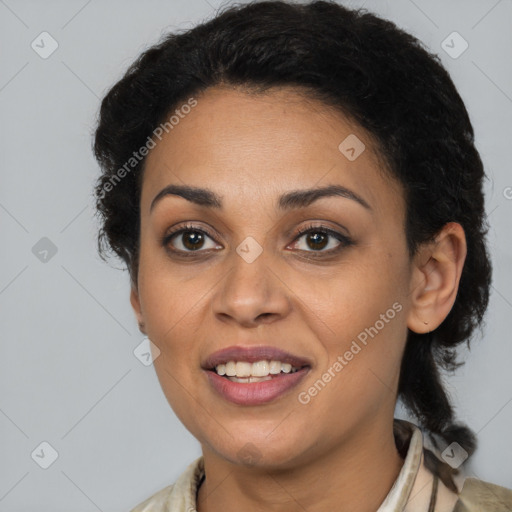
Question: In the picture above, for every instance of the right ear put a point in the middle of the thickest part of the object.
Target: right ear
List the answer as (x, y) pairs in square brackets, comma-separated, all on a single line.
[(135, 302)]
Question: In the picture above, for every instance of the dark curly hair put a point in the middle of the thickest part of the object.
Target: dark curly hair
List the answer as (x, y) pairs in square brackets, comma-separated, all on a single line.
[(366, 68)]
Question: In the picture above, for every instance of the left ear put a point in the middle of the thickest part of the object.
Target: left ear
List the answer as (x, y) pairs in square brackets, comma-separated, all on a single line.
[(135, 302), (435, 278)]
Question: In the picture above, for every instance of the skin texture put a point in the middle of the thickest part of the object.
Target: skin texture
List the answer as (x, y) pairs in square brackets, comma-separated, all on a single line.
[(337, 451)]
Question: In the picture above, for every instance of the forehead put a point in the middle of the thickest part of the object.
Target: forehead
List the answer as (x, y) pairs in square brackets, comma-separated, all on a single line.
[(263, 144)]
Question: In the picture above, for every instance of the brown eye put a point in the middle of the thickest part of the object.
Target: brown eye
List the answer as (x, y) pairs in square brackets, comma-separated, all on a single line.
[(192, 240), (318, 238), (188, 239)]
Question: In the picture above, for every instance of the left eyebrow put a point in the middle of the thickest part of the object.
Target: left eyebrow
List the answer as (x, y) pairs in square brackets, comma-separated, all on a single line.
[(303, 198), (290, 200)]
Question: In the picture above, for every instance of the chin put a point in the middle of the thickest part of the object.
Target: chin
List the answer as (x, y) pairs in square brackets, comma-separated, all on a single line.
[(261, 453)]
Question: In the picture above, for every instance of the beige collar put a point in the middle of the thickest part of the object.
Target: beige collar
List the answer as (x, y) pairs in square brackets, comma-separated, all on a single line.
[(412, 490)]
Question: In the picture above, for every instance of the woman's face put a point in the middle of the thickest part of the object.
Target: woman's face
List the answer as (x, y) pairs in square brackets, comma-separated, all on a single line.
[(242, 275)]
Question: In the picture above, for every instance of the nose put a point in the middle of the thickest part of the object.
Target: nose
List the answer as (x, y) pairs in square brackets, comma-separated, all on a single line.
[(251, 293)]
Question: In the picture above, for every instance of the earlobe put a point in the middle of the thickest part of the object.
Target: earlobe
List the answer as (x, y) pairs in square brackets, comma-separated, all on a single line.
[(435, 280), (135, 302)]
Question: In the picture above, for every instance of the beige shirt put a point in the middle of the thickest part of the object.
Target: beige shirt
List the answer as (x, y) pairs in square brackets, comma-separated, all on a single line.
[(414, 490)]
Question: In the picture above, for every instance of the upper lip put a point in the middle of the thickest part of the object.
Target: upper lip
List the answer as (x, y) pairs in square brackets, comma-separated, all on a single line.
[(252, 354)]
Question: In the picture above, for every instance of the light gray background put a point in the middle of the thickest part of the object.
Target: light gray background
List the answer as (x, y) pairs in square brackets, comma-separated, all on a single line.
[(67, 369)]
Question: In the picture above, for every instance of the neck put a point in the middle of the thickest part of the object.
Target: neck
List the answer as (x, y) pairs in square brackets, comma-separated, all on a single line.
[(356, 475)]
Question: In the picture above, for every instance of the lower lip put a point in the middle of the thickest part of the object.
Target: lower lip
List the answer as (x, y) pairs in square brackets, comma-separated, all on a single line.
[(256, 393)]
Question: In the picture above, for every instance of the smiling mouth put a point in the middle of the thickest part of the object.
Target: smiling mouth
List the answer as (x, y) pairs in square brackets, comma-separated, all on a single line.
[(259, 371)]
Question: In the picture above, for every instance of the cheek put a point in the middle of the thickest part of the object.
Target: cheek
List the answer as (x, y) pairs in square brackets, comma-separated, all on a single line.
[(169, 295), (360, 312), (352, 297), (171, 310)]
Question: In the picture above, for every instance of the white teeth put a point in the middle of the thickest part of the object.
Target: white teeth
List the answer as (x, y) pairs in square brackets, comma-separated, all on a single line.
[(260, 370), (275, 367), (286, 368), (231, 369), (243, 369), (249, 380)]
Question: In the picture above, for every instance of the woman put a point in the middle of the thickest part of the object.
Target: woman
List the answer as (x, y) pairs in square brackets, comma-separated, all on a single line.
[(297, 196)]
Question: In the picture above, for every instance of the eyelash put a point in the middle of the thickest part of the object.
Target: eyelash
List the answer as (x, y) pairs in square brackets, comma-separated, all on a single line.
[(344, 240)]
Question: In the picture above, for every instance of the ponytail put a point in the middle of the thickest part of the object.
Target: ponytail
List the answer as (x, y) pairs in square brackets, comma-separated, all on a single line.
[(421, 391)]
